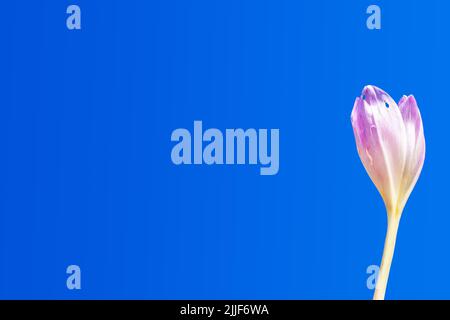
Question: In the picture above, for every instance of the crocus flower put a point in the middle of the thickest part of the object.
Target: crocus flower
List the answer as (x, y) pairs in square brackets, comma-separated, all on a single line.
[(391, 145)]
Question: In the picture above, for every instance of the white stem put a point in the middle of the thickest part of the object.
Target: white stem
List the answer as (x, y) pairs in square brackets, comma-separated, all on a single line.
[(388, 253)]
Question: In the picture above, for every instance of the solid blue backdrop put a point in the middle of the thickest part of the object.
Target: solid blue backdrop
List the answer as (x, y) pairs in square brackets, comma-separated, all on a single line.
[(85, 170)]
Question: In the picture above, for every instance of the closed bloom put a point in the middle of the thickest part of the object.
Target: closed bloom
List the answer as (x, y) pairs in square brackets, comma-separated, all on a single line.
[(391, 144)]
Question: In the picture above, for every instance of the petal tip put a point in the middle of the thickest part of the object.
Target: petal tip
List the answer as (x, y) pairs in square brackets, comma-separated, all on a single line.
[(359, 103), (373, 94)]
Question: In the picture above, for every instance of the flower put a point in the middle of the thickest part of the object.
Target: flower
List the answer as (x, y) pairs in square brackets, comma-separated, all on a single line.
[(391, 145)]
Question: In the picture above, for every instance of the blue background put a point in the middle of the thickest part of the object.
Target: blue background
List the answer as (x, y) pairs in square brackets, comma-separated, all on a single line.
[(85, 170)]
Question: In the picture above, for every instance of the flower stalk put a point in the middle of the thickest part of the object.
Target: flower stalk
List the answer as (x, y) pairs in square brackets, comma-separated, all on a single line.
[(388, 253)]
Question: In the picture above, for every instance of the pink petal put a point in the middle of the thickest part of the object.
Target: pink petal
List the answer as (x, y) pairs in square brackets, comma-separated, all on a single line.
[(415, 150), (381, 141)]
